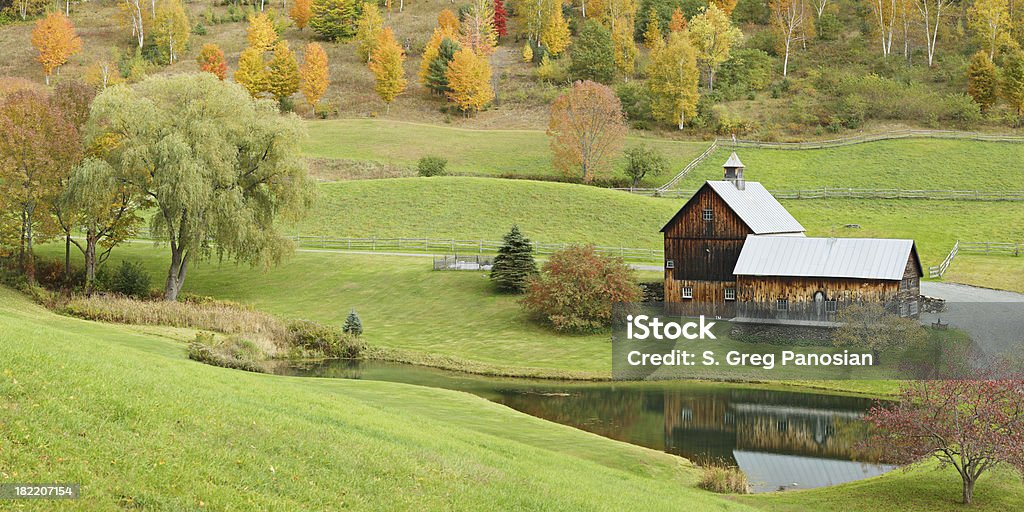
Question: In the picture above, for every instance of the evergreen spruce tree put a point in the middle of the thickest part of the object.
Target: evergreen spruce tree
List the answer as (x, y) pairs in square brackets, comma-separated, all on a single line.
[(437, 72), (353, 325), (514, 263)]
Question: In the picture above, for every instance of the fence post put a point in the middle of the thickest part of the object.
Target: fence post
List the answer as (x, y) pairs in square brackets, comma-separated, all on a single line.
[(481, 246), (374, 246)]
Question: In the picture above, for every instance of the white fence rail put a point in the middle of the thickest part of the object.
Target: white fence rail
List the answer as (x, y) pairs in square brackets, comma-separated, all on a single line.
[(938, 270)]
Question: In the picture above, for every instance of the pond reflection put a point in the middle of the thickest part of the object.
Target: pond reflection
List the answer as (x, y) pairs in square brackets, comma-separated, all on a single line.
[(780, 439)]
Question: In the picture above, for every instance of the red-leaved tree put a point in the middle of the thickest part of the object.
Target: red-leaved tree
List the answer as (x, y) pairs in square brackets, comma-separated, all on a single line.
[(577, 287), (972, 425), (500, 18)]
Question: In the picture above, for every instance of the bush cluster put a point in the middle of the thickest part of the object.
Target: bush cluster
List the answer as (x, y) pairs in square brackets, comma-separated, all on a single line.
[(324, 340), (723, 479)]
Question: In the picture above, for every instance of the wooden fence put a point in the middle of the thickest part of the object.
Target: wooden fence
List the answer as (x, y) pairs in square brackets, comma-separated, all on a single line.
[(846, 141), (455, 246), (937, 271), (859, 193), (1008, 248)]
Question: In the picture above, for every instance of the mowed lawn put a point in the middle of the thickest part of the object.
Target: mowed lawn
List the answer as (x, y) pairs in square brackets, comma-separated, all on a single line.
[(942, 164), (474, 152)]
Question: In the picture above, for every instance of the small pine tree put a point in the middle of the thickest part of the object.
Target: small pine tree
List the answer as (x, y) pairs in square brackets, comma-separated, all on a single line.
[(437, 76), (527, 53), (353, 325), (335, 19), (593, 55), (982, 81), (500, 18), (514, 265), (301, 12)]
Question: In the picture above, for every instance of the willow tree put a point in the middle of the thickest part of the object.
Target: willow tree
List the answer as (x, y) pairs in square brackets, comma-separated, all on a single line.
[(218, 166)]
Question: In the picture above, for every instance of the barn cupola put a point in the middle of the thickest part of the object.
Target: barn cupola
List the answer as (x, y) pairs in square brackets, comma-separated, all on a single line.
[(734, 171)]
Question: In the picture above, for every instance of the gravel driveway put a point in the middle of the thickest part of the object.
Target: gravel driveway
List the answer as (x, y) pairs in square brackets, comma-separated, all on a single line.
[(993, 318)]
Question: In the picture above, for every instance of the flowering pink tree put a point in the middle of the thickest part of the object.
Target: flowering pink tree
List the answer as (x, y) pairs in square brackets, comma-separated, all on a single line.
[(972, 425)]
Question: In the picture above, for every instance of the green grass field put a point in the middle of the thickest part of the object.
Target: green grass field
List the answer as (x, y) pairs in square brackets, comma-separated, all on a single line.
[(474, 152), (930, 164), (160, 432)]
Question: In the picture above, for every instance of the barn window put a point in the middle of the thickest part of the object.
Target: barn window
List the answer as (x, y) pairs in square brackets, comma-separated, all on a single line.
[(913, 308), (730, 294), (782, 304), (831, 306), (709, 214), (670, 264), (687, 292)]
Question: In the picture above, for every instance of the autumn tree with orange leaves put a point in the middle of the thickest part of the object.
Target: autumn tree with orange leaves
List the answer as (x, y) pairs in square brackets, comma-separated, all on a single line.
[(301, 12), (211, 60), (469, 81), (55, 38), (587, 129), (314, 72)]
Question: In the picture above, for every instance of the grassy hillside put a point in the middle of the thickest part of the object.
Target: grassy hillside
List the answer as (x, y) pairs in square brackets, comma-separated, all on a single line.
[(475, 208), (160, 432), (476, 152), (905, 163)]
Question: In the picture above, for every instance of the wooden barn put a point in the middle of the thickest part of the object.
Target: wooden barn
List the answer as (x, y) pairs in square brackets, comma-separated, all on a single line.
[(734, 251)]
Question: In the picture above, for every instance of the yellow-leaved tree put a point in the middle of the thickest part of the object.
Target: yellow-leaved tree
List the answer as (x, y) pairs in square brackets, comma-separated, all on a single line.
[(672, 81), (652, 36), (469, 78), (554, 34), (315, 74), (713, 35), (252, 71), (386, 65), (283, 73), (447, 20), (301, 12), (261, 34), (990, 20), (55, 38), (368, 30), (171, 30)]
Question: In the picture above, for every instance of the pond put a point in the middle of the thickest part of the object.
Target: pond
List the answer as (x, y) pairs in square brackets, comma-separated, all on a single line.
[(781, 439)]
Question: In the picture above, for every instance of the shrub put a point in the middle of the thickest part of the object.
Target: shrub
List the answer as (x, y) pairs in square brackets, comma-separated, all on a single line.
[(828, 27), (130, 279), (765, 40), (636, 103), (723, 479), (233, 352), (746, 70), (432, 166), (576, 289), (324, 340)]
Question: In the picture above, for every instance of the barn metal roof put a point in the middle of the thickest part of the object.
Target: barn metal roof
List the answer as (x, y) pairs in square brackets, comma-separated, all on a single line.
[(857, 258), (760, 211)]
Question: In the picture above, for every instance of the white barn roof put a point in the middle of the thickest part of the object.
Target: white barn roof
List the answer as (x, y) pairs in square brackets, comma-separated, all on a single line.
[(758, 209), (856, 258)]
